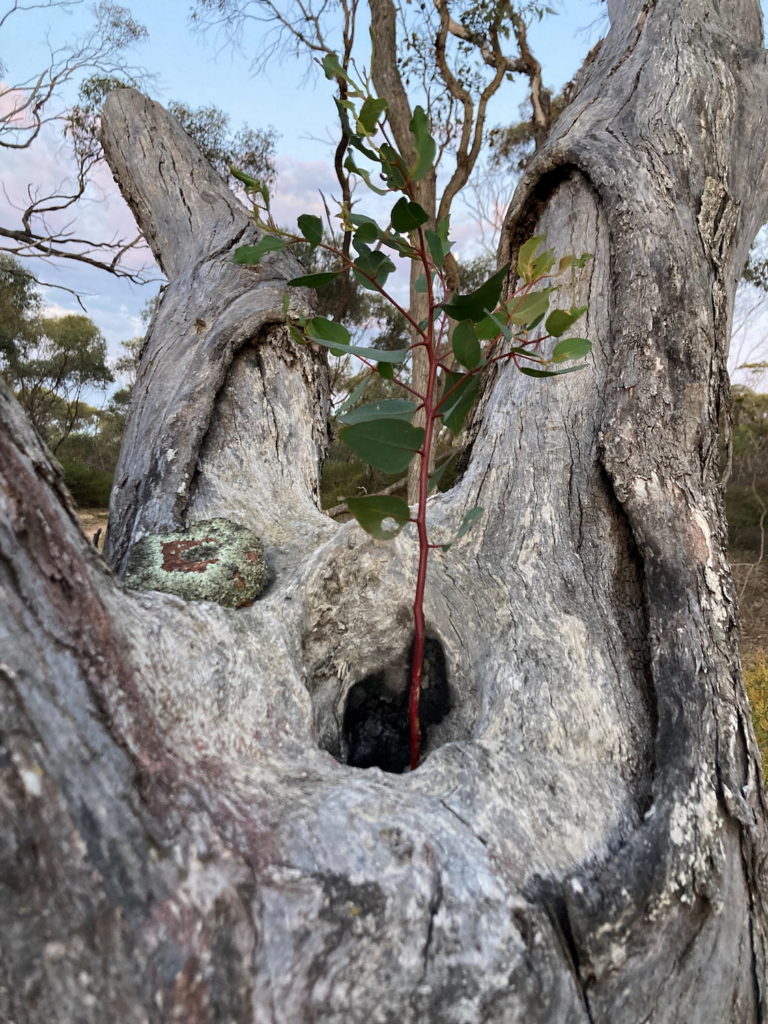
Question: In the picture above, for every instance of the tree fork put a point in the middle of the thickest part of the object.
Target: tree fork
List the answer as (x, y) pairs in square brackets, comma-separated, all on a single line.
[(586, 838)]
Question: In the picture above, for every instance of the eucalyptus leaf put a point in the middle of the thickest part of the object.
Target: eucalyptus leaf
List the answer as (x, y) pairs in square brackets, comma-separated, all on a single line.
[(466, 346), (252, 255), (407, 216), (370, 113), (333, 69), (327, 331), (526, 309), (393, 168), (476, 305), (559, 320), (311, 228), (469, 520), (385, 408), (426, 148), (314, 280), (355, 395), (372, 268), (353, 168), (529, 371), (374, 511), (525, 257), (459, 394), (386, 444), (571, 348)]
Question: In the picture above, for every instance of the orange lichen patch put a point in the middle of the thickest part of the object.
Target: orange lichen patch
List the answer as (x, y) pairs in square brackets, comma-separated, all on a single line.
[(174, 552)]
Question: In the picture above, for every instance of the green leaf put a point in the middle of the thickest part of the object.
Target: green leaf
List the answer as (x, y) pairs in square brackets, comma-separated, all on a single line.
[(426, 149), (393, 168), (571, 348), (355, 395), (466, 347), (385, 408), (574, 261), (333, 69), (377, 355), (314, 280), (525, 257), (365, 234), (358, 219), (399, 244), (407, 216), (385, 370), (296, 334), (487, 329), (528, 308), (438, 474), (352, 167), (311, 227), (251, 184), (475, 305), (372, 263), (530, 372), (373, 512), (469, 520), (388, 445), (420, 285), (369, 115), (543, 263), (329, 332), (559, 320), (252, 255), (438, 242), (459, 396)]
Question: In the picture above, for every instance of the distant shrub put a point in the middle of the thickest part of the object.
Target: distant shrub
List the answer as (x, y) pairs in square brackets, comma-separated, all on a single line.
[(756, 681), (89, 487), (744, 513)]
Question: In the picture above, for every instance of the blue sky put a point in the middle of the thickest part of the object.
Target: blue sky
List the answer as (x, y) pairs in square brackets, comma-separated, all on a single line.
[(200, 69)]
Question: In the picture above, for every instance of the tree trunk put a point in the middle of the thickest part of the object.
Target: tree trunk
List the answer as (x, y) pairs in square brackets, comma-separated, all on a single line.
[(586, 838)]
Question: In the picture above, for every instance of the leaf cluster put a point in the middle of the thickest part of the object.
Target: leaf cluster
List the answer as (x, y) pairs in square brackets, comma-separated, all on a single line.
[(463, 334)]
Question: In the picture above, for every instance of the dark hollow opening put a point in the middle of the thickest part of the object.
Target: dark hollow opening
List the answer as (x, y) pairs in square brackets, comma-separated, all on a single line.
[(376, 716)]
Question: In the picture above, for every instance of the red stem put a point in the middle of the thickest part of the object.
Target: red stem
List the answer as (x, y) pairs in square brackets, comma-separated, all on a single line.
[(419, 634)]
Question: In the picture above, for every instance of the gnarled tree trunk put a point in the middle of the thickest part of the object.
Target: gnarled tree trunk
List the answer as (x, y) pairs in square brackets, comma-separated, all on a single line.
[(586, 838)]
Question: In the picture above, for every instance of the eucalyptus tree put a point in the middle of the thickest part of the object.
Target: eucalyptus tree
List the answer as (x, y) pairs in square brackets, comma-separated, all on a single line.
[(585, 839)]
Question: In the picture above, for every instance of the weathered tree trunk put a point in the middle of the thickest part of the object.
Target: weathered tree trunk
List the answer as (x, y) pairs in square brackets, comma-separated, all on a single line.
[(586, 839)]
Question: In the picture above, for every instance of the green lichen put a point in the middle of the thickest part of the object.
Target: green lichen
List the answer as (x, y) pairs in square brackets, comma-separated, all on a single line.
[(213, 560)]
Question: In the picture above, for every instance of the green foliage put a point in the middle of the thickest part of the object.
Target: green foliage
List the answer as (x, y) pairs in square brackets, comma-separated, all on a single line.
[(381, 516), (756, 683), (48, 362), (89, 487), (474, 330)]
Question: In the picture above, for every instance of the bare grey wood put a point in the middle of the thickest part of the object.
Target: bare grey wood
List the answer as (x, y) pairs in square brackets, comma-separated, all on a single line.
[(586, 840), (217, 425)]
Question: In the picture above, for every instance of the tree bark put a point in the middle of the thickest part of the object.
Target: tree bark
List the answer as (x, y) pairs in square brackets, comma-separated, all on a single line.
[(585, 840)]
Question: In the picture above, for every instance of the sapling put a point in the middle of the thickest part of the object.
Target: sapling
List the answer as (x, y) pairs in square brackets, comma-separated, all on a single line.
[(462, 335)]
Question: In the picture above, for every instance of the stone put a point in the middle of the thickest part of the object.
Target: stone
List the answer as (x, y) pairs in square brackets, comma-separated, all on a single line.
[(212, 560)]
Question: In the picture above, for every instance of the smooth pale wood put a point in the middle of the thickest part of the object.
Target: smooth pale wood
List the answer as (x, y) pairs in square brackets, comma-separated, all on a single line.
[(586, 840)]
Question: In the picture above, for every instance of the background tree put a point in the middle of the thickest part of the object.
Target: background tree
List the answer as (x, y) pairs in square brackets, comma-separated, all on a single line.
[(49, 365), (586, 839)]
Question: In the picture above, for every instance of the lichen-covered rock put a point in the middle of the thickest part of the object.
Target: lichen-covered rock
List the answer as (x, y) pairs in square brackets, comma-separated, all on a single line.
[(213, 560)]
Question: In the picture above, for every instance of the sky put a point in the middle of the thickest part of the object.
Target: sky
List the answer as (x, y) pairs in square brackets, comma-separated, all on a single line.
[(201, 68)]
